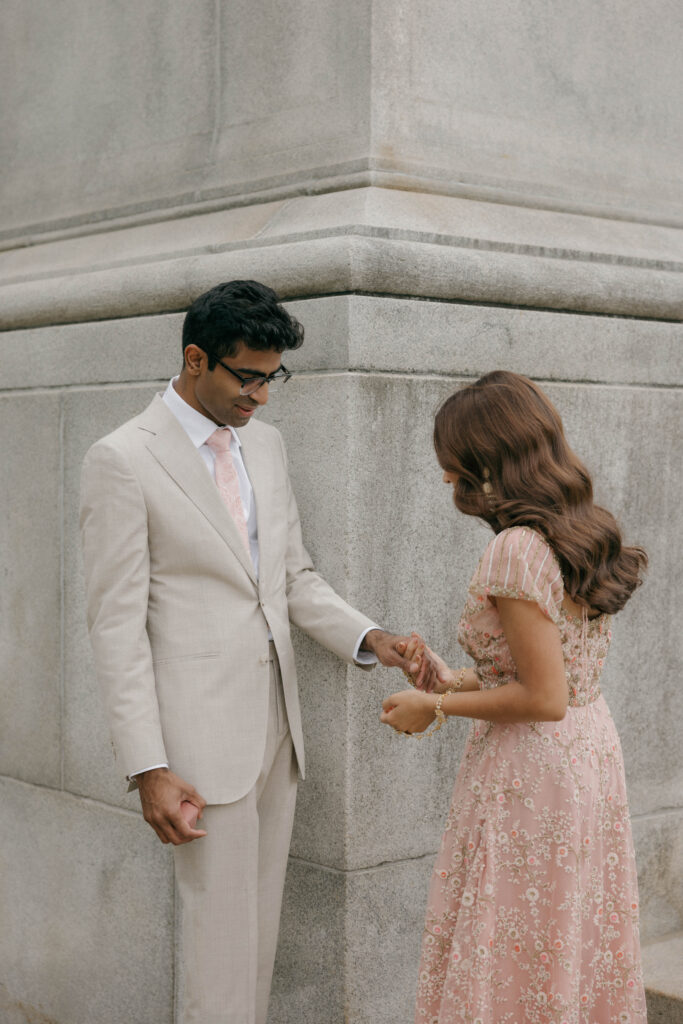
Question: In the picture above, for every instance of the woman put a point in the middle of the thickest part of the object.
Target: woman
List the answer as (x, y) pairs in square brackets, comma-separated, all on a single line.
[(533, 907)]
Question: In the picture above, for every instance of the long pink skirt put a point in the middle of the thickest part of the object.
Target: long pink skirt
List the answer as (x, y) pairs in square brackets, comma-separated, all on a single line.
[(533, 906)]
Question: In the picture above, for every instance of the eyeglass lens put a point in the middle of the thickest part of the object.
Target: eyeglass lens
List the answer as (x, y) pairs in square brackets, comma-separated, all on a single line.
[(250, 386)]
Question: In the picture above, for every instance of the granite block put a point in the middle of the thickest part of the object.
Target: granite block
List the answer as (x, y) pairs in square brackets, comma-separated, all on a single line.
[(309, 977), (662, 961), (107, 352), (349, 944), (320, 822), (385, 911), (524, 98), (658, 840), (455, 339), (88, 910), (30, 594)]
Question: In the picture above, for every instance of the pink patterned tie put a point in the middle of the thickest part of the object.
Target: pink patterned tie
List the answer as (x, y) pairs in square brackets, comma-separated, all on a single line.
[(227, 482)]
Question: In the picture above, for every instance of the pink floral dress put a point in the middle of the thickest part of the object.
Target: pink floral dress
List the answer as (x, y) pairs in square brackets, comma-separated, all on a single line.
[(533, 906)]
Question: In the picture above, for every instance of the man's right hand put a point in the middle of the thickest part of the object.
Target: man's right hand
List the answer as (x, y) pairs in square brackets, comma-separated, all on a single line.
[(161, 794)]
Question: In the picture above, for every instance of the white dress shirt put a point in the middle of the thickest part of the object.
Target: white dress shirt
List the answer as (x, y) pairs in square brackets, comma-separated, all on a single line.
[(199, 429)]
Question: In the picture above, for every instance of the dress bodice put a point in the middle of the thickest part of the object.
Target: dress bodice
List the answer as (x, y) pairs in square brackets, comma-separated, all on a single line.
[(519, 563)]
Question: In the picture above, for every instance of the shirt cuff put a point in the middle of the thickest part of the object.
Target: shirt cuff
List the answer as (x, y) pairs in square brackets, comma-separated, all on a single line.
[(142, 770), (365, 657)]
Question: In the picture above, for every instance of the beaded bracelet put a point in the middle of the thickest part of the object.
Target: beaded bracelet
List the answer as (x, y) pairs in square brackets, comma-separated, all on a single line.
[(459, 680), (440, 719)]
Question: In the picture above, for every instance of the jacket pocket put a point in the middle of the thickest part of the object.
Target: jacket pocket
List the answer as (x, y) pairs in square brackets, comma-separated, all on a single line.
[(201, 656)]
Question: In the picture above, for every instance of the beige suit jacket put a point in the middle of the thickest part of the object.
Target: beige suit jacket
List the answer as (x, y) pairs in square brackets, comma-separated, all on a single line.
[(177, 619)]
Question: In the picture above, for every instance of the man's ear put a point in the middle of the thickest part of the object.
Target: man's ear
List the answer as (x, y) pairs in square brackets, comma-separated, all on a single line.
[(193, 358)]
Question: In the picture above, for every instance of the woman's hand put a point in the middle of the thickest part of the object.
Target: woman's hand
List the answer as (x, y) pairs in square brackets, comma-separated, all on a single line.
[(446, 676), (416, 651), (408, 711)]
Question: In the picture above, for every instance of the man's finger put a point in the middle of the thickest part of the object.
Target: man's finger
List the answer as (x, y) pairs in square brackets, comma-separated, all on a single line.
[(183, 830), (179, 836), (194, 797)]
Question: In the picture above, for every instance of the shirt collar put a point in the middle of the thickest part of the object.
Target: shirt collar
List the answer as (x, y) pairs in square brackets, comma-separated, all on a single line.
[(196, 425)]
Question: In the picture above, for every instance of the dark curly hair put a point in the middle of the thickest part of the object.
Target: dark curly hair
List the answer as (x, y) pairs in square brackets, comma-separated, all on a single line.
[(503, 431), (240, 311)]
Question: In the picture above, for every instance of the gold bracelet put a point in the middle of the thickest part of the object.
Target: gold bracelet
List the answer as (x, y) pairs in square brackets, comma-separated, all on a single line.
[(459, 680), (440, 719)]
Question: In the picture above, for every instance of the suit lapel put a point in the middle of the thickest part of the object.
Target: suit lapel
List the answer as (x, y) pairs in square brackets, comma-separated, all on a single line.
[(172, 448)]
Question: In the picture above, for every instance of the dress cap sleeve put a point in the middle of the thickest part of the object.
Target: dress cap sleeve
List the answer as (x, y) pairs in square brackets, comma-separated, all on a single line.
[(519, 563)]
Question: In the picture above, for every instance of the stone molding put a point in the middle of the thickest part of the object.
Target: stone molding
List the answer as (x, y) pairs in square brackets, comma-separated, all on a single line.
[(372, 240)]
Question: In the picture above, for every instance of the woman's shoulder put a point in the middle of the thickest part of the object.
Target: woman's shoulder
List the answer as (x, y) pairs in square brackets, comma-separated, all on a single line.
[(519, 562), (518, 542)]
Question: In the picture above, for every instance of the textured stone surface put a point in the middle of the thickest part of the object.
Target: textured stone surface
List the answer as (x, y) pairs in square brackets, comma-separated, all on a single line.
[(320, 823), (160, 107), (30, 592), (524, 98), (372, 334), (658, 839), (662, 961), (371, 240), (378, 212), (89, 766), (409, 336), (384, 921), (309, 980), (163, 103), (114, 351), (349, 945), (87, 903)]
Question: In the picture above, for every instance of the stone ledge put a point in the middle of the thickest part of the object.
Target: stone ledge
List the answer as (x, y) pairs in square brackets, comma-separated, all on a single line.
[(367, 334), (367, 240), (663, 969)]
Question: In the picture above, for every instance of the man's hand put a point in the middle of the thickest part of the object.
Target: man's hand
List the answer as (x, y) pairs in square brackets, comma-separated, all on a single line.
[(391, 650), (161, 794)]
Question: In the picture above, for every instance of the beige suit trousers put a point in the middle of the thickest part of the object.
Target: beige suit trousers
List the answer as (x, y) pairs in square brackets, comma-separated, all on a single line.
[(231, 882)]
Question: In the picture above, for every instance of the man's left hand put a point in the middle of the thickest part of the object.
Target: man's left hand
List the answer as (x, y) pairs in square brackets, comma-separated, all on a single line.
[(390, 649)]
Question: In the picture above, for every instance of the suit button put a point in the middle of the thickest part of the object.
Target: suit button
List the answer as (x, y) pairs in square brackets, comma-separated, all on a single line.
[(263, 659)]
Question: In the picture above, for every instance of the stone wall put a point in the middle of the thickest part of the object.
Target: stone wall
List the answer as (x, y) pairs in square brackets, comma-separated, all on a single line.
[(430, 214)]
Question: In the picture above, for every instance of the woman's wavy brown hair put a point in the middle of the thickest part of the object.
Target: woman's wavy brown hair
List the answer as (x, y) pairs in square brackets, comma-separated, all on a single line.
[(503, 430)]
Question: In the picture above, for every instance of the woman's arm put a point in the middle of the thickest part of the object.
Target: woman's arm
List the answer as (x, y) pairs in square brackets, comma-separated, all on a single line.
[(539, 694)]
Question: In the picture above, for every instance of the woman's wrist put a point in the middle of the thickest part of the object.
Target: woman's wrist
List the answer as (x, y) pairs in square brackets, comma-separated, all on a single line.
[(431, 701)]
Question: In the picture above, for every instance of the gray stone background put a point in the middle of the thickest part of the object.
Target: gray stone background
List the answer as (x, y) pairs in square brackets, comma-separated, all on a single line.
[(437, 190)]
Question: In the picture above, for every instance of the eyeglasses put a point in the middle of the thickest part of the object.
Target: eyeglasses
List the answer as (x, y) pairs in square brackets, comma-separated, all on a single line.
[(252, 384)]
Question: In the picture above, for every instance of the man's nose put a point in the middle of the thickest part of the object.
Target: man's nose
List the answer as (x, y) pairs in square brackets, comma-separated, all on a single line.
[(261, 394)]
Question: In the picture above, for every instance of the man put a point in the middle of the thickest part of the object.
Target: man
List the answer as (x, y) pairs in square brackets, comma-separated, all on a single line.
[(194, 568)]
